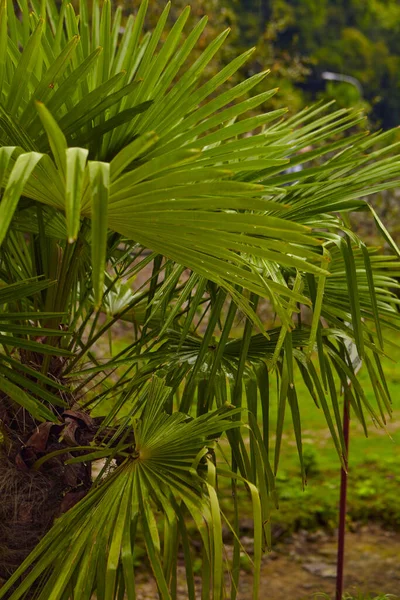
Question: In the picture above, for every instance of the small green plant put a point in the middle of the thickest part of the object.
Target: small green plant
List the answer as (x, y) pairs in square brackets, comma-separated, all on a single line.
[(311, 465)]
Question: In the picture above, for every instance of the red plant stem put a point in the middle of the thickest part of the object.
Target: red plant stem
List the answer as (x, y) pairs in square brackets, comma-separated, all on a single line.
[(343, 502)]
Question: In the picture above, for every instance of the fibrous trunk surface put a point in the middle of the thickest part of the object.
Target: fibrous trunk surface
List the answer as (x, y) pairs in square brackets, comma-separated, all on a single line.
[(32, 496)]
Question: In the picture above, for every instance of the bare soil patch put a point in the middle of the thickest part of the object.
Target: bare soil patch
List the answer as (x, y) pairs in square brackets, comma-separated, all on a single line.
[(304, 565)]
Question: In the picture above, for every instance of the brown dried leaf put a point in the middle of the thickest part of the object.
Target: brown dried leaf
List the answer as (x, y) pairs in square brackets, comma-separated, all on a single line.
[(68, 434), (38, 440), (71, 476), (82, 417), (20, 463), (70, 499)]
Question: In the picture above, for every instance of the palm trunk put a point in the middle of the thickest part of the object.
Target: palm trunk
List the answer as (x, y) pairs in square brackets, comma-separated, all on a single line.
[(32, 498)]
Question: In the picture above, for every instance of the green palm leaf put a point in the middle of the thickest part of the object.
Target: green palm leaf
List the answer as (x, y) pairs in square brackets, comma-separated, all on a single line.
[(134, 190)]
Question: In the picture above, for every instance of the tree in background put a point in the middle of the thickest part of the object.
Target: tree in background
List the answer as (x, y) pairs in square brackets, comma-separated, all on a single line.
[(354, 37), (252, 25), (299, 39)]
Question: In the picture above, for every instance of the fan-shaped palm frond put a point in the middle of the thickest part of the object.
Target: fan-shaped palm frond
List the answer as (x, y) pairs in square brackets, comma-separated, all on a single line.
[(167, 467)]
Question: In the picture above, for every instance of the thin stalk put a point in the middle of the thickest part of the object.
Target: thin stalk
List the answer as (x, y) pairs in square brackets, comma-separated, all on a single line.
[(101, 331), (343, 502)]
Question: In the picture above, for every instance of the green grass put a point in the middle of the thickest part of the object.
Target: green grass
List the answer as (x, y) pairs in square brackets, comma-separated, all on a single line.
[(374, 466)]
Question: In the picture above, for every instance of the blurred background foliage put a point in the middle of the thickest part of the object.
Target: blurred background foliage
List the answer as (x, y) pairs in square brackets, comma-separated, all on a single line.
[(298, 40)]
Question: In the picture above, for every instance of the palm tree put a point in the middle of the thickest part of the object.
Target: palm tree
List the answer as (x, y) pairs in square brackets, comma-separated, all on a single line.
[(133, 192)]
